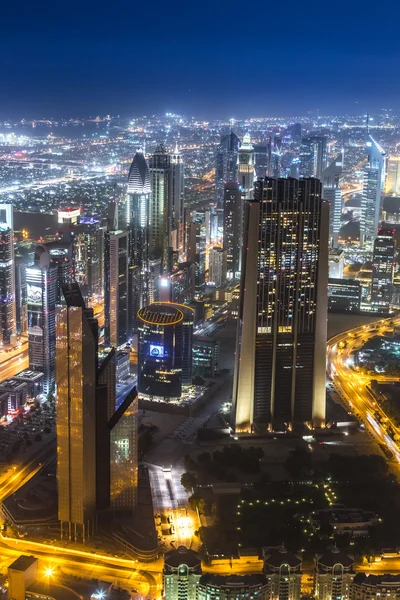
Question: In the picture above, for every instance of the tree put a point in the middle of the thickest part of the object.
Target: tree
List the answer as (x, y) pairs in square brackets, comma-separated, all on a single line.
[(189, 481)]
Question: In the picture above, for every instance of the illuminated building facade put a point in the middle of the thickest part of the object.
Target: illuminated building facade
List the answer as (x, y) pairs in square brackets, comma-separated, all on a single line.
[(138, 218), (160, 174), (233, 587), (336, 263), (42, 290), (176, 210), (61, 256), (279, 376), (123, 428), (116, 287), (8, 325), (312, 156), (165, 351), (226, 169), (217, 266), (205, 357), (333, 575), (374, 176), (382, 269), (332, 193), (283, 571), (344, 295), (88, 257), (181, 574), (233, 220), (393, 176), (76, 372), (245, 168)]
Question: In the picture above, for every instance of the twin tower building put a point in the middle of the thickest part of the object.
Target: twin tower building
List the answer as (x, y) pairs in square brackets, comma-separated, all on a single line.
[(279, 379)]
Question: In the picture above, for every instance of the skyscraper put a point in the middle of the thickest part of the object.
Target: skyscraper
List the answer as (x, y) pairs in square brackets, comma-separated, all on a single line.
[(137, 218), (176, 209), (312, 156), (160, 174), (233, 220), (217, 268), (61, 256), (374, 175), (76, 362), (280, 354), (245, 167), (7, 274), (332, 193), (226, 169), (393, 176), (382, 270), (42, 288), (89, 256), (116, 287)]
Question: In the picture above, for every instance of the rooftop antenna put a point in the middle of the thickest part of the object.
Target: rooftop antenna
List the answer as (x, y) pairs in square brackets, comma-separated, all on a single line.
[(367, 125)]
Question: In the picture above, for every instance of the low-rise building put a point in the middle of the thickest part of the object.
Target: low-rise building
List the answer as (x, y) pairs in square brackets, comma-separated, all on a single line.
[(34, 380), (352, 521), (17, 392), (333, 575)]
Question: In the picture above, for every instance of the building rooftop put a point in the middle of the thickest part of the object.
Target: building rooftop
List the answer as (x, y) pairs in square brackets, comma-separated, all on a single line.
[(161, 314), (11, 385), (28, 375), (139, 177), (23, 562), (182, 556), (363, 578), (334, 556), (233, 581), (275, 557), (335, 252)]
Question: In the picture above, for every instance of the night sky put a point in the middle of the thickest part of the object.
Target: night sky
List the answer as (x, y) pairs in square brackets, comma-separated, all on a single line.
[(208, 58)]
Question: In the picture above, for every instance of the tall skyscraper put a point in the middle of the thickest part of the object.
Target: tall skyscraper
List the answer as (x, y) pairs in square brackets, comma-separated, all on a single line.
[(245, 169), (61, 256), (116, 287), (8, 325), (332, 193), (160, 175), (138, 218), (233, 221), (275, 165), (382, 270), (89, 257), (42, 288), (226, 169), (217, 267), (374, 176), (280, 353), (393, 176), (76, 369), (176, 209), (312, 156)]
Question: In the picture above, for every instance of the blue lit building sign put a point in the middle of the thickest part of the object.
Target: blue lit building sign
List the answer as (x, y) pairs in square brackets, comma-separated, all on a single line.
[(156, 351)]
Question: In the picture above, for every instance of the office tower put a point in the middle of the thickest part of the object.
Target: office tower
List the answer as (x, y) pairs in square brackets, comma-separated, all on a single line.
[(61, 256), (261, 159), (76, 374), (196, 250), (165, 349), (42, 289), (68, 218), (106, 376), (226, 169), (280, 353), (332, 193), (364, 277), (295, 168), (123, 428), (176, 208), (374, 176), (245, 168), (393, 176), (276, 157), (336, 263), (217, 268), (344, 295), (333, 575), (283, 571), (382, 270), (181, 574), (138, 218), (160, 174), (294, 131), (89, 257), (7, 274), (205, 357), (312, 156), (233, 221), (24, 257), (116, 287)]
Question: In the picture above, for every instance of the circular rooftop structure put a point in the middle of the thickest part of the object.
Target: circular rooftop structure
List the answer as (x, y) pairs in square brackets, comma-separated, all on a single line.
[(161, 314)]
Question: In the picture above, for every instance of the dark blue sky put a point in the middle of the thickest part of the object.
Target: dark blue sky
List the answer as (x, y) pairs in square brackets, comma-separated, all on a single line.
[(207, 58)]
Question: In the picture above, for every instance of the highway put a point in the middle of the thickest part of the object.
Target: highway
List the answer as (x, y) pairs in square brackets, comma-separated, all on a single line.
[(12, 361), (352, 385)]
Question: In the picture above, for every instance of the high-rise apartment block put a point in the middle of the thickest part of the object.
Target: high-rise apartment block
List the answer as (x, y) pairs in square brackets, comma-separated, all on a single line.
[(382, 270), (332, 193), (116, 287), (279, 375), (226, 169), (282, 569), (233, 228), (8, 324), (217, 266), (181, 575), (374, 176), (333, 575)]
